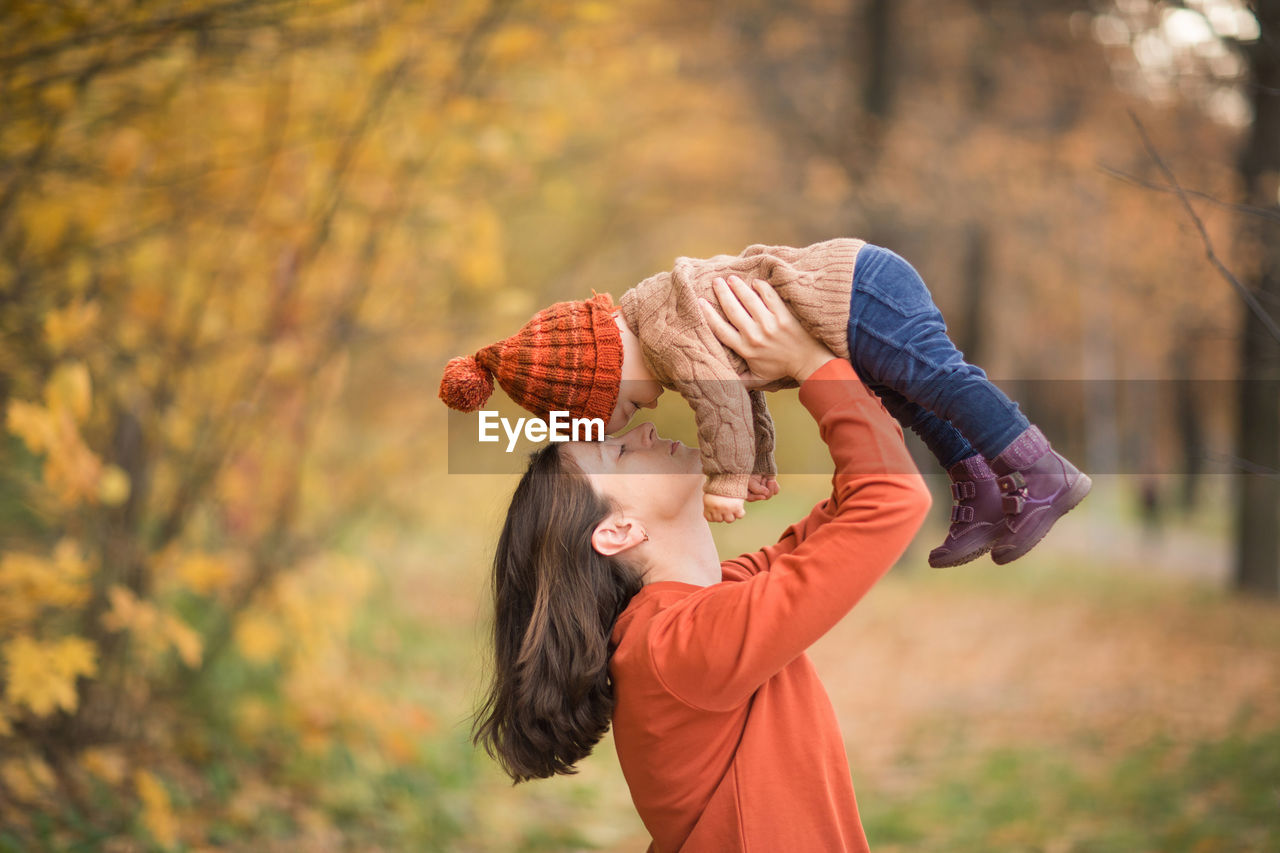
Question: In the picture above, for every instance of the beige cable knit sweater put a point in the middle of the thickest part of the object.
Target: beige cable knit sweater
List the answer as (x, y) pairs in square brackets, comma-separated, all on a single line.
[(735, 432)]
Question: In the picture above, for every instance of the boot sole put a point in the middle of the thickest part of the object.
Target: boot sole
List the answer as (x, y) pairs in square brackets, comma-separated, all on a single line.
[(1041, 525), (968, 557)]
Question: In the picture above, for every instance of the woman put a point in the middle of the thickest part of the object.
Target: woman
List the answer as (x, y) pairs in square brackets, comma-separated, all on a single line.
[(612, 606)]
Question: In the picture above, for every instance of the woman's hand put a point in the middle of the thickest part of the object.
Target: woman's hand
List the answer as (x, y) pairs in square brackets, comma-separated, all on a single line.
[(762, 329), (761, 487)]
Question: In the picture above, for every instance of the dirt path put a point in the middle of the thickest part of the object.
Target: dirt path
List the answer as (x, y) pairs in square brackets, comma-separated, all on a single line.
[(916, 668)]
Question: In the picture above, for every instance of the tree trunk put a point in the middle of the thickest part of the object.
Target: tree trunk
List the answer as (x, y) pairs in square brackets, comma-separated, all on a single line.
[(877, 44), (1188, 422), (977, 272), (1257, 561)]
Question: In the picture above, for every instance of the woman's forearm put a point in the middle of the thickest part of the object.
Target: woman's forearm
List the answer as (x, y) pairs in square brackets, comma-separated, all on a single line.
[(820, 569)]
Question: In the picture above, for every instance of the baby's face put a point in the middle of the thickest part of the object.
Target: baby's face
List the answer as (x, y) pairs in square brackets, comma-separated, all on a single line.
[(638, 390), (633, 395)]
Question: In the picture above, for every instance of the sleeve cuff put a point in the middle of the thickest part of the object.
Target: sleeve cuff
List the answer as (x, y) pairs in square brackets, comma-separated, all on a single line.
[(835, 383), (727, 485)]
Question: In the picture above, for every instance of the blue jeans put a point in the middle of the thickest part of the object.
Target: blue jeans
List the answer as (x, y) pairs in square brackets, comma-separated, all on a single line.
[(898, 344)]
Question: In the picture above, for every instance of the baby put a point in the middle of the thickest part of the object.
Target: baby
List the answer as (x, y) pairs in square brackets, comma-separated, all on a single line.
[(868, 305)]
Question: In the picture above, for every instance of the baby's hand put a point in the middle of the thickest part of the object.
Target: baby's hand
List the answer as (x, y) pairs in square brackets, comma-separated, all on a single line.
[(720, 508), (761, 487)]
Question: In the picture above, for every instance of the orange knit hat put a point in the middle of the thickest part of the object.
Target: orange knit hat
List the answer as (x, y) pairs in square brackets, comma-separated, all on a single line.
[(567, 358)]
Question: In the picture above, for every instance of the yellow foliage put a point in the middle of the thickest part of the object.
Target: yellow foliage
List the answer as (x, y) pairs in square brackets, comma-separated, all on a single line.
[(106, 762), (131, 334), (149, 295), (29, 583), (42, 675), (596, 12), (96, 218), (481, 249), (204, 573), (179, 428), (153, 629), (247, 803), (320, 701), (252, 718), (316, 603), (287, 360), (185, 640), (127, 613), (59, 96), (125, 151), (516, 42), (27, 777), (46, 221), (72, 471), (67, 328), (387, 52), (157, 810), (258, 637), (32, 423), (113, 486)]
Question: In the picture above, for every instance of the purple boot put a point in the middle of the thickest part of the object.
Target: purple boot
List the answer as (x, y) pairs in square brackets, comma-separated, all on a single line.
[(1039, 487), (977, 516)]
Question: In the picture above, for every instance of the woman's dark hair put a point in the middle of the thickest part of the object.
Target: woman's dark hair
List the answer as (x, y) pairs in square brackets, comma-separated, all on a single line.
[(555, 603)]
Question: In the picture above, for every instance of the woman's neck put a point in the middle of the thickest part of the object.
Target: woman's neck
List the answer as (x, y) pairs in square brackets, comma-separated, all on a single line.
[(681, 551)]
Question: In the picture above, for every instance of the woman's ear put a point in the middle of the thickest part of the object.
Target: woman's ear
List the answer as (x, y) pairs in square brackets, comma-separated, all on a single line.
[(617, 533)]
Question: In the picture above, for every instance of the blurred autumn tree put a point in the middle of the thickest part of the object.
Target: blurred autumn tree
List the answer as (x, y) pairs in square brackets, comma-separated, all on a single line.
[(208, 210), (239, 238), (1258, 550), (1224, 57), (970, 136)]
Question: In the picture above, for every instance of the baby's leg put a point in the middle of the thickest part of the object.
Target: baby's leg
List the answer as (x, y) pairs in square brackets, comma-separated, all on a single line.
[(897, 338), (943, 440), (977, 514)]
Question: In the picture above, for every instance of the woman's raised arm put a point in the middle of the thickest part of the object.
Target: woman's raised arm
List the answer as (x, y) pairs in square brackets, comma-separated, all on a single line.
[(715, 648)]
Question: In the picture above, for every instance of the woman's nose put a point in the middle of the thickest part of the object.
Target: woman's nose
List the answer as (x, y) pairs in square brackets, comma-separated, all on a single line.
[(640, 435)]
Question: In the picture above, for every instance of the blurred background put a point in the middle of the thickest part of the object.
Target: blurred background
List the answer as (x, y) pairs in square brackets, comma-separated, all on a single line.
[(244, 594)]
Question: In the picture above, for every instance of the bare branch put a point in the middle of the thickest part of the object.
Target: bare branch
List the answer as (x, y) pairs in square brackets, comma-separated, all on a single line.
[(1247, 209), (1249, 299), (167, 25)]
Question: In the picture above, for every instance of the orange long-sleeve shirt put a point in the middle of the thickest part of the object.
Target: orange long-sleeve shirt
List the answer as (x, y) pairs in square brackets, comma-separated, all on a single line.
[(725, 734)]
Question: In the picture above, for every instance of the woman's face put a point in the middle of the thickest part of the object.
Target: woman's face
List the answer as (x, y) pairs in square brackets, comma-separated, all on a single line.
[(644, 474)]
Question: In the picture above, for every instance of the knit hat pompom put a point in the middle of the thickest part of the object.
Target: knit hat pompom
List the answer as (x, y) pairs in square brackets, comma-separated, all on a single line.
[(466, 384)]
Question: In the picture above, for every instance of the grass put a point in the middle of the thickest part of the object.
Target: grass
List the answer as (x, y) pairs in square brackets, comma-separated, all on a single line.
[(1211, 795)]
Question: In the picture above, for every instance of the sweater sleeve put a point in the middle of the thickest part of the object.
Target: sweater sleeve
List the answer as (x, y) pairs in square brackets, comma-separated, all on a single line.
[(716, 647), (762, 425), (721, 409), (687, 357)]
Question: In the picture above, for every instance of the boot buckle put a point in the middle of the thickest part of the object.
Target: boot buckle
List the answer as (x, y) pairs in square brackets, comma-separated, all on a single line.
[(1012, 504), (1011, 482), (963, 514), (964, 490)]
